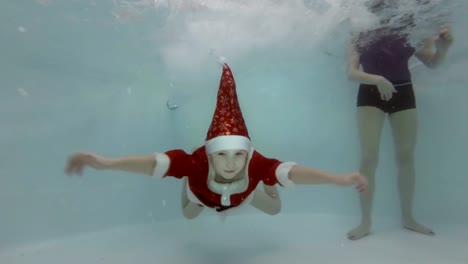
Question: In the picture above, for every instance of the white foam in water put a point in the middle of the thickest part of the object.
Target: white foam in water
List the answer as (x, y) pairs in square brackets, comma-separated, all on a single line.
[(22, 92), (22, 29), (249, 239), (236, 29), (427, 18), (44, 2)]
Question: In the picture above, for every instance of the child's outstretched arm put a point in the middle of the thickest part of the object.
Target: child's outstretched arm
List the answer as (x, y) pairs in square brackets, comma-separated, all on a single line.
[(304, 175), (138, 164)]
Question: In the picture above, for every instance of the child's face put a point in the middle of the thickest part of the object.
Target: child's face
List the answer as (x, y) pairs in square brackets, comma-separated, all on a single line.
[(229, 163)]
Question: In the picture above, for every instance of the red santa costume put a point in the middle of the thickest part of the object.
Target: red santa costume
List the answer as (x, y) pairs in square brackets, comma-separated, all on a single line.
[(227, 131)]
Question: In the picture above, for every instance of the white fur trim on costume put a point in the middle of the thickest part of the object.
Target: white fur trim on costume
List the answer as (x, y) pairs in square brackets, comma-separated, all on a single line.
[(227, 142), (191, 196), (162, 165), (282, 173), (238, 209)]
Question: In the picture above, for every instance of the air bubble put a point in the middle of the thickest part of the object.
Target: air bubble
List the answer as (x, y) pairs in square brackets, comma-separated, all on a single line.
[(22, 92)]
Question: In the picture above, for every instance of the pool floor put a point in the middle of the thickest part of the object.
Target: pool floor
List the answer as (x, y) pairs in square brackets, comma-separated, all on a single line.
[(252, 239)]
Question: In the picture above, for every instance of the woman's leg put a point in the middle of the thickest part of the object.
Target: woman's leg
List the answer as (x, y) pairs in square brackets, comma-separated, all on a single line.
[(370, 123), (404, 127)]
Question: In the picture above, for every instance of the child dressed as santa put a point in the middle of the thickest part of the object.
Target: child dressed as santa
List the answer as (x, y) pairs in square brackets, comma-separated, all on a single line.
[(222, 175)]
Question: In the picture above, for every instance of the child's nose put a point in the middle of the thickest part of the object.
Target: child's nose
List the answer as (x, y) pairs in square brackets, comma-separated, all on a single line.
[(230, 163)]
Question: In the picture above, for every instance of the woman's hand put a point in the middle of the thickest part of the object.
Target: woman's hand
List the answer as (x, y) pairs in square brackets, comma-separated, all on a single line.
[(386, 88), (445, 39)]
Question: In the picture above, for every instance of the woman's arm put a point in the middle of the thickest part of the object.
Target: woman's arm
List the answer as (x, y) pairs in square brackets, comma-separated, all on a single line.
[(442, 43), (385, 87), (354, 71)]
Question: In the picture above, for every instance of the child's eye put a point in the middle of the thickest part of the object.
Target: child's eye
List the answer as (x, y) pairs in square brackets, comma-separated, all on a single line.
[(220, 153), (240, 153)]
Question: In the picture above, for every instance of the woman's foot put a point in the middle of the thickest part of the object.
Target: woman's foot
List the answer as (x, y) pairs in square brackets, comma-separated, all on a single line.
[(412, 225), (360, 231)]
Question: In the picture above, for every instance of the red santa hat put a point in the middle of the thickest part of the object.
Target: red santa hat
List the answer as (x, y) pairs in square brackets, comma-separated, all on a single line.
[(227, 129)]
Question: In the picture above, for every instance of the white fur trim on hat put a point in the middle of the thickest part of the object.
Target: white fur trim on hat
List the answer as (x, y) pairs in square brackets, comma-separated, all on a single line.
[(282, 173), (162, 165), (226, 143)]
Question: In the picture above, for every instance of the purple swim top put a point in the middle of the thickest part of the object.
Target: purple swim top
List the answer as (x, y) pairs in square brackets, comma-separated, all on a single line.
[(385, 53)]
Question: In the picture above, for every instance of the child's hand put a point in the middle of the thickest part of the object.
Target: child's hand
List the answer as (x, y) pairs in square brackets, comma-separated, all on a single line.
[(354, 178), (78, 161), (271, 191)]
